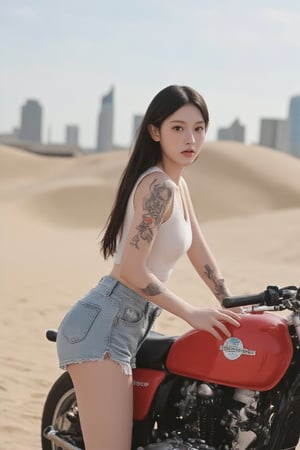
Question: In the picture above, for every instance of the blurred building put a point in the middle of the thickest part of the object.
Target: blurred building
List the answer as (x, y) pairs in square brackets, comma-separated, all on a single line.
[(236, 132), (72, 135), (7, 138), (274, 134), (137, 120), (105, 123), (31, 122), (294, 126)]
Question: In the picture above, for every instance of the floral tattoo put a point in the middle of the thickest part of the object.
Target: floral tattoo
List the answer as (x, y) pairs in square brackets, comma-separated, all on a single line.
[(217, 282), (154, 205)]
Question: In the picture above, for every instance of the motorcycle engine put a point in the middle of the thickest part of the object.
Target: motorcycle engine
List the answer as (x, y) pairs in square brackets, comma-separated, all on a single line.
[(210, 417)]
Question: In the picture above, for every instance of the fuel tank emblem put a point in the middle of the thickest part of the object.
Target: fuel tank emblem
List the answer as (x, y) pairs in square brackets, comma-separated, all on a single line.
[(233, 348)]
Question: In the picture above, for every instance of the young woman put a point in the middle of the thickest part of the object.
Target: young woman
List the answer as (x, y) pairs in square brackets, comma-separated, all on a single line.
[(152, 223)]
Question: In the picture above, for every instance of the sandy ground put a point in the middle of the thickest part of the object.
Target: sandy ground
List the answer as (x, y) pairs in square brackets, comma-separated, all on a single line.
[(247, 199)]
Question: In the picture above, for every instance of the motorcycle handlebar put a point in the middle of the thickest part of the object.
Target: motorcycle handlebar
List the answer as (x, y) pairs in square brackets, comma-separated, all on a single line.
[(243, 300), (270, 297)]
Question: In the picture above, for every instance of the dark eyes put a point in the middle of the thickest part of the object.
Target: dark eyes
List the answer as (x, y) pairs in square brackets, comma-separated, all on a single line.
[(179, 128)]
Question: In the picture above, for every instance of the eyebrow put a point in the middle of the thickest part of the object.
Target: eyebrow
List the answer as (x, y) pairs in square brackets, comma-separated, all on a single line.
[(182, 121)]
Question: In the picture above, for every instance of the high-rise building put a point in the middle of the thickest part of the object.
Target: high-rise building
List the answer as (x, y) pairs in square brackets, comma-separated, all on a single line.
[(274, 133), (105, 123), (31, 122), (294, 126), (72, 135), (236, 132), (137, 120)]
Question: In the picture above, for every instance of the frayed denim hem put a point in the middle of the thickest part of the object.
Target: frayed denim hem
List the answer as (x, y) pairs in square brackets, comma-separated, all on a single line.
[(125, 367)]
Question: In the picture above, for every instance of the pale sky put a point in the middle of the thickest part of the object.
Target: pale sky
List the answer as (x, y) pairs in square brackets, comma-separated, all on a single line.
[(244, 58)]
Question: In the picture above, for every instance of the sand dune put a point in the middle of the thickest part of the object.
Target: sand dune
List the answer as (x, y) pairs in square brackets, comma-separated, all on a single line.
[(228, 180), (52, 209), (233, 179)]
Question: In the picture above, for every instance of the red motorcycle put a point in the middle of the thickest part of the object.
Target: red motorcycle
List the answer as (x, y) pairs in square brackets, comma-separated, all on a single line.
[(195, 392)]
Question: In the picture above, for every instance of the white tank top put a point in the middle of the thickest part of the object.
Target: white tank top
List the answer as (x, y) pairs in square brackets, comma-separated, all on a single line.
[(173, 239)]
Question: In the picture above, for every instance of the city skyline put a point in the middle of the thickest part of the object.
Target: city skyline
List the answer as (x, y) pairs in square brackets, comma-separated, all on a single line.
[(242, 57), (281, 134), (277, 133), (105, 101)]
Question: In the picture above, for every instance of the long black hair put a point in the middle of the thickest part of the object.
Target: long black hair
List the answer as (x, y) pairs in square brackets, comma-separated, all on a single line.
[(146, 153)]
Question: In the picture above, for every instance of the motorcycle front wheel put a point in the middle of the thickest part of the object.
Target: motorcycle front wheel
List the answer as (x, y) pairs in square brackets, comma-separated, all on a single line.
[(60, 413)]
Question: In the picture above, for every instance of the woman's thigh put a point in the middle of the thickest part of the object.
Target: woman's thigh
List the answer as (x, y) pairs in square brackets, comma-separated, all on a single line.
[(104, 397)]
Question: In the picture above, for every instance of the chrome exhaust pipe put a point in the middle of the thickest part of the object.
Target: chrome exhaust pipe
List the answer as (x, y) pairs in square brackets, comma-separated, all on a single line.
[(52, 434)]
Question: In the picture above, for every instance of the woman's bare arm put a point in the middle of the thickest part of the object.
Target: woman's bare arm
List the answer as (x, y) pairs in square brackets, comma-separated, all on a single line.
[(202, 258), (153, 202)]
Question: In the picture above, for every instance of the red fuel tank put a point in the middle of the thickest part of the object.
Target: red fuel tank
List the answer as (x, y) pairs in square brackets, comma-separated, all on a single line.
[(255, 357)]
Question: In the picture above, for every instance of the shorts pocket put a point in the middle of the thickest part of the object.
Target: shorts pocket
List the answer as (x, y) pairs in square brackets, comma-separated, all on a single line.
[(128, 331), (131, 317), (79, 321)]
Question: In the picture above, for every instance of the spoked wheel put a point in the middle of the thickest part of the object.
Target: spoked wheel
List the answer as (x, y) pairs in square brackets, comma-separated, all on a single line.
[(60, 420)]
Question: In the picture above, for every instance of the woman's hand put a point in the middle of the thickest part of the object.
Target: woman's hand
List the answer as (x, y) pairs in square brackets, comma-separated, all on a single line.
[(213, 320)]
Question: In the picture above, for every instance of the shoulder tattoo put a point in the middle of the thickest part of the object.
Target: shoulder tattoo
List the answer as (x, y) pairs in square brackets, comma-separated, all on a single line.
[(218, 283), (154, 206)]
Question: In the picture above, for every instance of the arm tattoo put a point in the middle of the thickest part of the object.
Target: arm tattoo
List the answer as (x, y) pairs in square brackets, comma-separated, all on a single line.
[(154, 205), (217, 282), (152, 289)]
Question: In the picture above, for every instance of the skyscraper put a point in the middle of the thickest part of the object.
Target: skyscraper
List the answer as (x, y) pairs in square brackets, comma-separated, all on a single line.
[(31, 122), (137, 120), (236, 132), (105, 123), (72, 134), (274, 133), (294, 126)]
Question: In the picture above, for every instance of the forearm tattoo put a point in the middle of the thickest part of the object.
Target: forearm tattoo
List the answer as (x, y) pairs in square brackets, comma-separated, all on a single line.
[(152, 289), (154, 205), (218, 283)]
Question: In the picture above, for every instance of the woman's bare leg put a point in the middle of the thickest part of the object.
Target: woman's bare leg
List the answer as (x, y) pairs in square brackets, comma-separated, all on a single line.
[(104, 397)]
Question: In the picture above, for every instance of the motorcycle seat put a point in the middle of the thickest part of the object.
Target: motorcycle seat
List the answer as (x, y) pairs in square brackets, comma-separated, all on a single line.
[(154, 351)]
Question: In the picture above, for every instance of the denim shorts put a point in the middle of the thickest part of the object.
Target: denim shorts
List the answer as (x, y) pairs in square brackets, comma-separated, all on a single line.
[(111, 321)]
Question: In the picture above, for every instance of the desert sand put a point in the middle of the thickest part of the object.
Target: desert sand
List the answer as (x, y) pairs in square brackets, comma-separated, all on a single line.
[(247, 199)]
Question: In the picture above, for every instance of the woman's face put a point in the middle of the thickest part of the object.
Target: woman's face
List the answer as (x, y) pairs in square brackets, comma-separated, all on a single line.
[(181, 135)]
